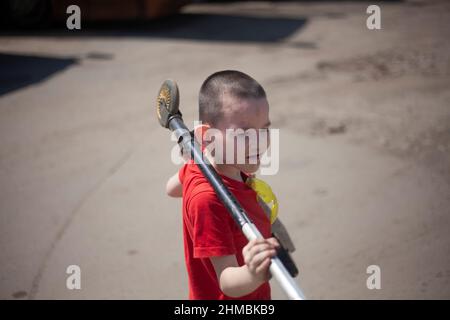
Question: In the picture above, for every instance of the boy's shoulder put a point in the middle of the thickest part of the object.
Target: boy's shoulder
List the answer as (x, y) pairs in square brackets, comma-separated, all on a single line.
[(187, 170), (195, 185), (201, 204)]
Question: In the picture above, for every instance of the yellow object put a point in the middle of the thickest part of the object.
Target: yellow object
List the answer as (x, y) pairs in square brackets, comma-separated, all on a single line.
[(264, 191)]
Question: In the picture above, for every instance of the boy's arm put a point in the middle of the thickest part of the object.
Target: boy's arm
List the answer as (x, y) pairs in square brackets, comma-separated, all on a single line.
[(174, 188), (238, 281)]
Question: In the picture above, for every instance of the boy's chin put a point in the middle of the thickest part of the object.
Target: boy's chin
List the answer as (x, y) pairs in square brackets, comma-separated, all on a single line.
[(248, 168)]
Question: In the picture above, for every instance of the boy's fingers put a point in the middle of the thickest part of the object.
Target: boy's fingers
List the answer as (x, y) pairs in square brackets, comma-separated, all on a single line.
[(263, 266), (261, 256), (259, 241), (251, 244), (273, 241), (259, 248), (248, 246), (246, 251), (254, 242), (249, 255), (256, 247)]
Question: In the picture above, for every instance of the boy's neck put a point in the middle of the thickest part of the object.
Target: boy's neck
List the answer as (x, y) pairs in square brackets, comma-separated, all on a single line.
[(226, 170), (229, 171)]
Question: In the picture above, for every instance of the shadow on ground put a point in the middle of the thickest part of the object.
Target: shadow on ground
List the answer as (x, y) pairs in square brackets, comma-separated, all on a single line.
[(19, 71), (186, 26)]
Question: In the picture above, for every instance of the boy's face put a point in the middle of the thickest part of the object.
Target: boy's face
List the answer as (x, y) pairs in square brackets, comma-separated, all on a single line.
[(251, 116)]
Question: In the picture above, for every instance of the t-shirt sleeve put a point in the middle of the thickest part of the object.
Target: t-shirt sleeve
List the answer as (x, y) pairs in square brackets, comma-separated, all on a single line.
[(212, 226)]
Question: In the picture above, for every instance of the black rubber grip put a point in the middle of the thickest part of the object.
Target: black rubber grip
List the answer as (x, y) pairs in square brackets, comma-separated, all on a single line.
[(287, 261)]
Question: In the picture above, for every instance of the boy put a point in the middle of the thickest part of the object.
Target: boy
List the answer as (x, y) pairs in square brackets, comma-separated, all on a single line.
[(221, 264)]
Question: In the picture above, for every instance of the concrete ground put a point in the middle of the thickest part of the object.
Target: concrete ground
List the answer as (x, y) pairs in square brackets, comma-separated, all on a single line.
[(364, 173)]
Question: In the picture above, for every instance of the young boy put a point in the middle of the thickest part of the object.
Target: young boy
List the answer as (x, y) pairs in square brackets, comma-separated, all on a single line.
[(221, 263)]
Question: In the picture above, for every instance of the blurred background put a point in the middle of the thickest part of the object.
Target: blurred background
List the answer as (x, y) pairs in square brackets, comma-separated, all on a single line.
[(364, 119)]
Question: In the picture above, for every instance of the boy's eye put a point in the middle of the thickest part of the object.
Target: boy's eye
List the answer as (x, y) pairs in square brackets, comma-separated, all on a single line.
[(256, 131)]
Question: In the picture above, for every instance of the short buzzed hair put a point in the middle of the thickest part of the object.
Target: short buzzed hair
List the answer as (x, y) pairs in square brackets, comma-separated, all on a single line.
[(235, 83)]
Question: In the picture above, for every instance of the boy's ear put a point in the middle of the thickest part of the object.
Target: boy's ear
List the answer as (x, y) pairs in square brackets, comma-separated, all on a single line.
[(200, 130), (199, 134)]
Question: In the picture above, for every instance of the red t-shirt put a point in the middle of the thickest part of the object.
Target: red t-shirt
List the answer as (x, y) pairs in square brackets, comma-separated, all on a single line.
[(209, 230)]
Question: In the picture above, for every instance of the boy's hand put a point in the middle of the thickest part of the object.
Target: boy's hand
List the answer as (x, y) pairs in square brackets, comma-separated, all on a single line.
[(257, 254)]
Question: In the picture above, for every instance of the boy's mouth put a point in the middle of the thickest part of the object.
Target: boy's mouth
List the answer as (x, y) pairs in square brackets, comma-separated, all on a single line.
[(256, 156)]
